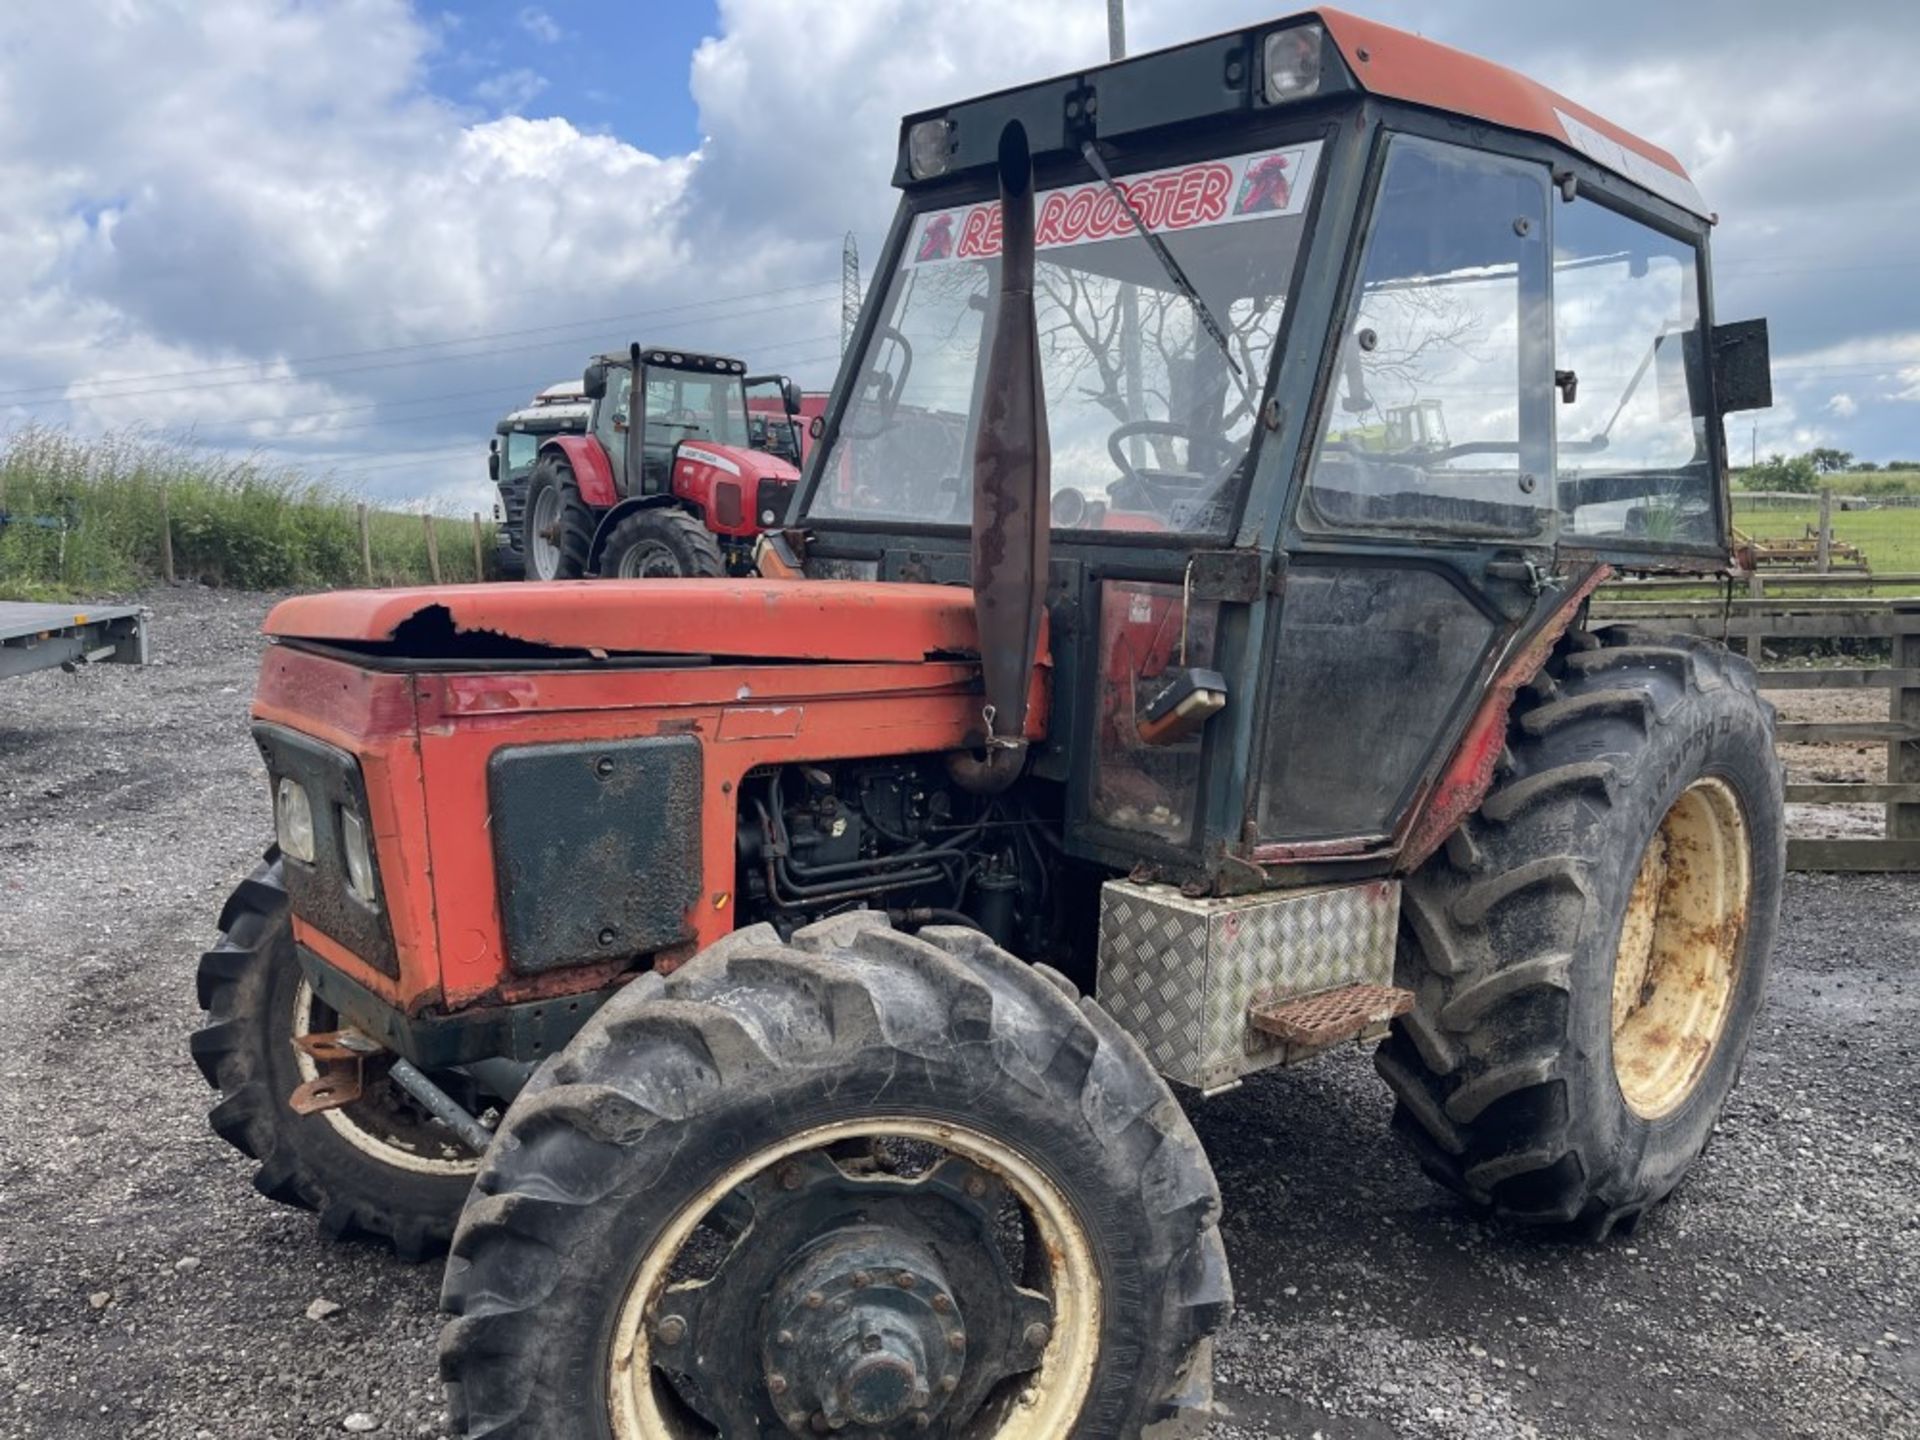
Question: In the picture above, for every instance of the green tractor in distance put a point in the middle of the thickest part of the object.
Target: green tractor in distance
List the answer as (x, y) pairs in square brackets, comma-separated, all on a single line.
[(775, 986)]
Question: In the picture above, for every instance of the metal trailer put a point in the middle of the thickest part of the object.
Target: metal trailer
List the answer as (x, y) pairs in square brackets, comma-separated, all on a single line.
[(38, 637)]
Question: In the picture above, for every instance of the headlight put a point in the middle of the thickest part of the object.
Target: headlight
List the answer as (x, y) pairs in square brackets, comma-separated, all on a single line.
[(353, 839), (1292, 62), (767, 517), (929, 148), (293, 820)]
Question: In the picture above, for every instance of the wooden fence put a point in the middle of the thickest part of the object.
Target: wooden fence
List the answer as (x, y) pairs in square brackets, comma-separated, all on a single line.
[(1896, 621)]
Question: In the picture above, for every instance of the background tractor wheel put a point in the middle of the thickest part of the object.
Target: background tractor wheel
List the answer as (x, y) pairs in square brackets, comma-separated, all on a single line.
[(558, 525), (380, 1168), (662, 543), (867, 1181), (1589, 950)]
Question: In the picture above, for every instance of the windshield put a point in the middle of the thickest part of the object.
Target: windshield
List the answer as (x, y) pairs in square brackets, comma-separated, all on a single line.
[(522, 447), (1149, 416)]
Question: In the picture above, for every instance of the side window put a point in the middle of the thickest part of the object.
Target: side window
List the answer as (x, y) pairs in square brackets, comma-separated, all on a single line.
[(612, 417), (1632, 452), (1439, 417)]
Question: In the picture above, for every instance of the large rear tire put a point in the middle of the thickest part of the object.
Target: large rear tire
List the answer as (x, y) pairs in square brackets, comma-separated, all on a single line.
[(1589, 951), (920, 1103), (557, 532), (375, 1170), (661, 543)]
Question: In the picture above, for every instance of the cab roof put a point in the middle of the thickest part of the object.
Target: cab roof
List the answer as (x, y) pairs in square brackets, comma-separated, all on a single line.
[(678, 357), (1220, 77)]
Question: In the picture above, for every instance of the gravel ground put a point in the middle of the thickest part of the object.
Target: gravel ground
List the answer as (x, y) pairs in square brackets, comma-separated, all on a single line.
[(147, 1291)]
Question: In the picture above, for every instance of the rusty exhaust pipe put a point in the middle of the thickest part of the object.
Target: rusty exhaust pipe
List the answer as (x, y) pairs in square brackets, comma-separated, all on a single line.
[(1011, 493)]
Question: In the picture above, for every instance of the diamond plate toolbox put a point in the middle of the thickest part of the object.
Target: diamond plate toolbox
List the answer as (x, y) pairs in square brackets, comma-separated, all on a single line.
[(1178, 974)]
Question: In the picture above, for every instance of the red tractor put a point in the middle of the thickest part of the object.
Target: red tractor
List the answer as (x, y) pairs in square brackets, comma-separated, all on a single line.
[(774, 988), (665, 481)]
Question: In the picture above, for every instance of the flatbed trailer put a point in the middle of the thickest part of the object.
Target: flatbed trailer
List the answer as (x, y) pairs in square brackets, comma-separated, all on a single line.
[(38, 637)]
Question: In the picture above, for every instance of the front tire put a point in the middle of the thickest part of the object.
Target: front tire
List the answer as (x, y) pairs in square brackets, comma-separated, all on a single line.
[(661, 543), (1589, 951), (856, 1093), (372, 1170)]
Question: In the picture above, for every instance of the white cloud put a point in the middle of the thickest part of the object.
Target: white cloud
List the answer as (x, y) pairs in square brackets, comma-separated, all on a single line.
[(1844, 406), (539, 24), (510, 90)]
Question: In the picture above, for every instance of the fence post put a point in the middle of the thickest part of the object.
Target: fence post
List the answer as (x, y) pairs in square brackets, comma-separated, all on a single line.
[(366, 542), (433, 549), (1903, 756), (166, 538), (1823, 546), (479, 559), (1756, 644)]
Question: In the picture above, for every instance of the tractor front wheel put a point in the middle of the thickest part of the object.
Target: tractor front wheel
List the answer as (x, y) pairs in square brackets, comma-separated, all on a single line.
[(380, 1168), (863, 1182), (661, 543), (1589, 951), (557, 525)]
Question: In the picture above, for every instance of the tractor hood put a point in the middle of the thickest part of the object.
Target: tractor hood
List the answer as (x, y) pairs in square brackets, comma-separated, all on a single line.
[(806, 620)]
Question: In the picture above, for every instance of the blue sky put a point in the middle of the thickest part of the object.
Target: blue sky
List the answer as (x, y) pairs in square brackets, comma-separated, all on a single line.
[(616, 67)]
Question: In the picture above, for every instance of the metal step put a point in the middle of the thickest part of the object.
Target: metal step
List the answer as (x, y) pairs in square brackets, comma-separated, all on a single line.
[(1331, 1016)]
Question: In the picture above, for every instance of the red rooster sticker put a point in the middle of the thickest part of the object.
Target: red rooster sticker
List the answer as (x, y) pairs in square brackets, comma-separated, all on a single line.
[(1265, 186), (936, 241)]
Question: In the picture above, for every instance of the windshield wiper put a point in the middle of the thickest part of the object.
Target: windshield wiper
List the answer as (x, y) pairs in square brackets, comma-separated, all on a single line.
[(1170, 265)]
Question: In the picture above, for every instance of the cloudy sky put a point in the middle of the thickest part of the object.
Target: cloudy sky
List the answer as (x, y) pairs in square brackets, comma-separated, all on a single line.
[(351, 233)]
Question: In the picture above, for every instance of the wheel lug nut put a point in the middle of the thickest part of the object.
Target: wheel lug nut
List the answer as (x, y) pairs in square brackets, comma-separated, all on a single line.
[(815, 1299), (841, 1306), (671, 1330), (789, 1177), (776, 1384), (785, 1337), (976, 1186), (956, 1342), (906, 1280), (861, 1280), (869, 1343), (1037, 1336), (942, 1304), (949, 1384)]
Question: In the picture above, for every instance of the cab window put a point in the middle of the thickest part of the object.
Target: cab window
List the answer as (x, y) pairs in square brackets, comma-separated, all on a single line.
[(1632, 454), (1437, 417)]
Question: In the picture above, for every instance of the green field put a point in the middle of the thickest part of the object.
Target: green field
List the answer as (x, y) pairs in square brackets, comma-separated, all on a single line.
[(1890, 537), (233, 522)]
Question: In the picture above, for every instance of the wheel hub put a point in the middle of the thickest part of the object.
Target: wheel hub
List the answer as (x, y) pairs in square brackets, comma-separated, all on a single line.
[(863, 1304), (863, 1329)]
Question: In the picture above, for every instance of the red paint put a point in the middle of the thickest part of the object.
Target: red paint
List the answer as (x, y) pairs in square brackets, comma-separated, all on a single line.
[(1469, 773), (722, 482), (592, 469), (765, 619), (1406, 67)]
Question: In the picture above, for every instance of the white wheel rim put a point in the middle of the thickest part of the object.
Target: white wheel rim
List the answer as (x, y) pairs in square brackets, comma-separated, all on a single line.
[(543, 551), (1058, 1387), (380, 1147)]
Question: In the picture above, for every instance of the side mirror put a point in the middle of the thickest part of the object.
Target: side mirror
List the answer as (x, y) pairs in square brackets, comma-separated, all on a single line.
[(790, 391), (817, 427), (1742, 368), (593, 380), (493, 464)]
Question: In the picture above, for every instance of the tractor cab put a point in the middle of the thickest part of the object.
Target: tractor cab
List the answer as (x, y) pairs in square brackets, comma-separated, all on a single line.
[(680, 396), (1361, 360)]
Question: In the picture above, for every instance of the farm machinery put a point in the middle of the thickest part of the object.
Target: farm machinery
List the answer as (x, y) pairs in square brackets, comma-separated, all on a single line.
[(774, 989), (663, 479), (560, 409)]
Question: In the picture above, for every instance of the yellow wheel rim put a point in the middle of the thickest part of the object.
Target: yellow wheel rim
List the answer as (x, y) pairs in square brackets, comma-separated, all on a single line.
[(1053, 1393), (1681, 945)]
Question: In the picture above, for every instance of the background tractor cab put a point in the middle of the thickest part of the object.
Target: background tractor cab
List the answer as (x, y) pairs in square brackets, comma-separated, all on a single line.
[(665, 481), (557, 410)]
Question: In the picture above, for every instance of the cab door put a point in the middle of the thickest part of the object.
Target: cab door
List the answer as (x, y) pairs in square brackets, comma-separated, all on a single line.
[(1425, 518)]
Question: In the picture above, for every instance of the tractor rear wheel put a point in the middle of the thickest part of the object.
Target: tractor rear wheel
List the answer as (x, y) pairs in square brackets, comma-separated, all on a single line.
[(557, 535), (1589, 950), (661, 543), (868, 1181), (380, 1168)]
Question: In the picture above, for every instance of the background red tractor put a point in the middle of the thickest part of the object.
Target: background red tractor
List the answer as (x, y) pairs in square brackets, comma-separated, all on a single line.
[(665, 480)]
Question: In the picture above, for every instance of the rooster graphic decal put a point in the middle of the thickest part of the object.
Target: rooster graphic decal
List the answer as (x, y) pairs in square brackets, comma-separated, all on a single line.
[(1265, 186), (936, 241)]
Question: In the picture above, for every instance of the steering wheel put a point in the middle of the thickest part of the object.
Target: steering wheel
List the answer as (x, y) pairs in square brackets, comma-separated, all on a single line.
[(1160, 490)]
